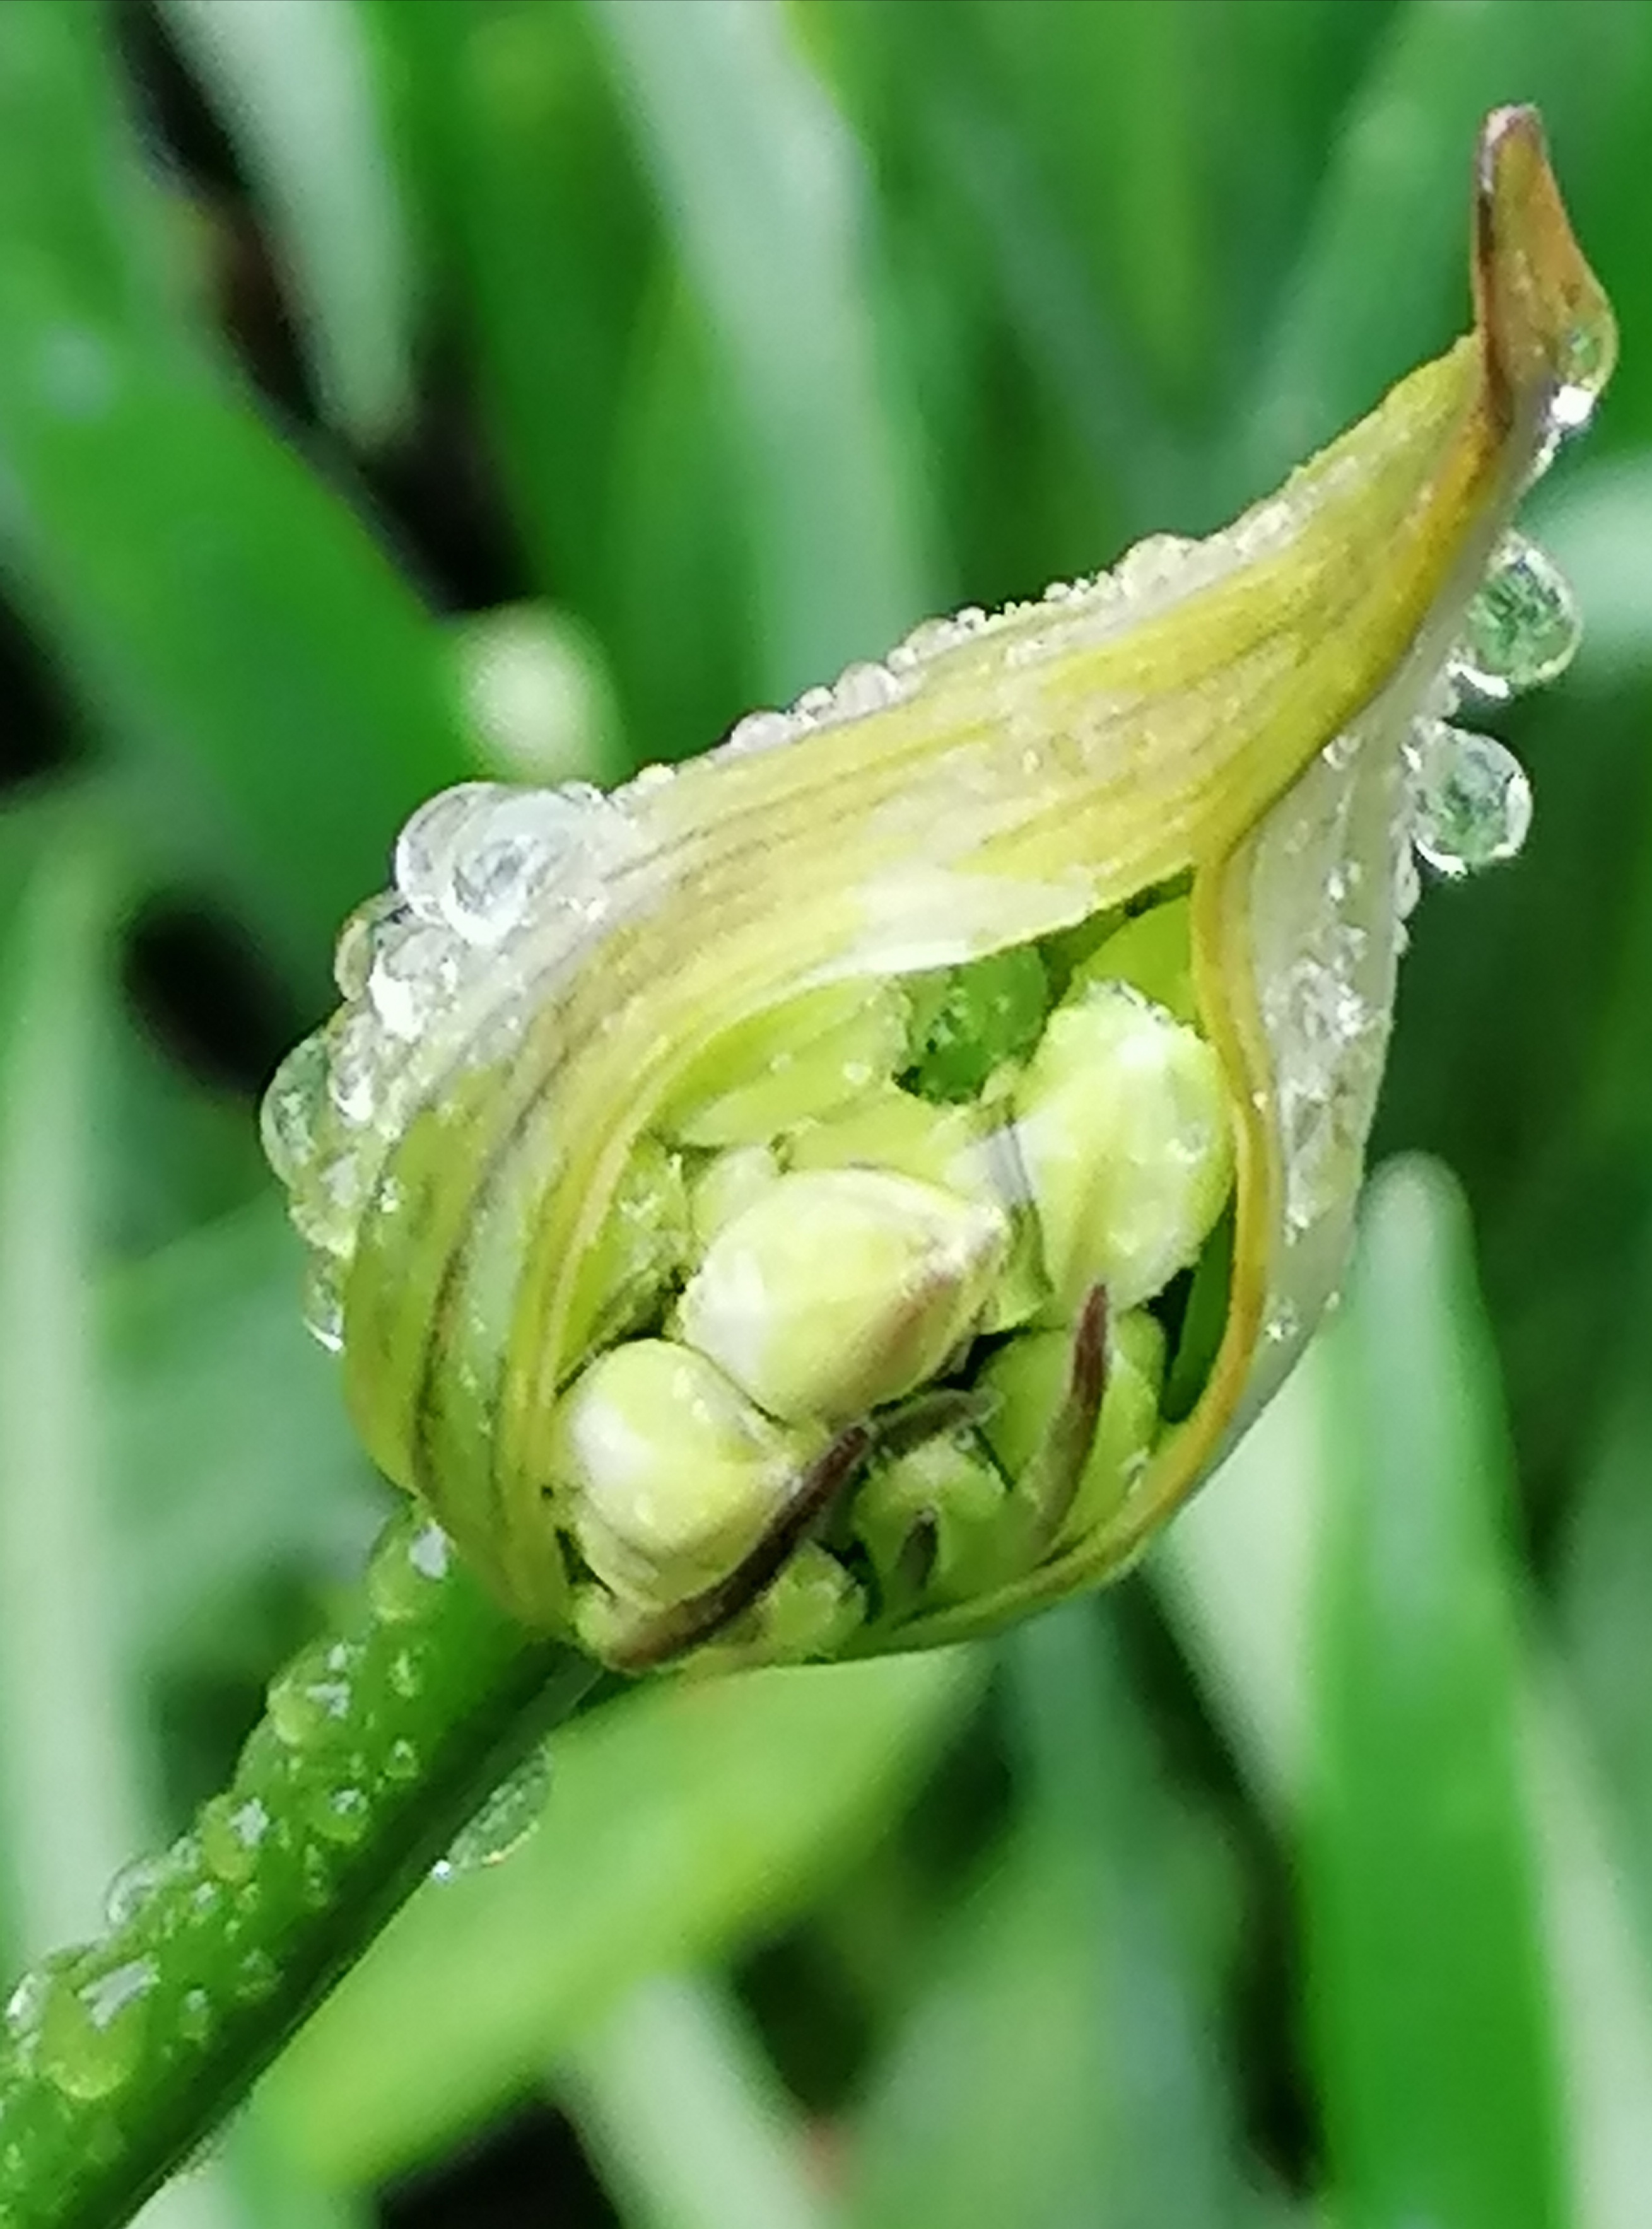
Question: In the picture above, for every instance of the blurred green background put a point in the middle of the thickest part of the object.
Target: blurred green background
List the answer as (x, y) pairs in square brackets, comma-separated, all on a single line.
[(395, 389)]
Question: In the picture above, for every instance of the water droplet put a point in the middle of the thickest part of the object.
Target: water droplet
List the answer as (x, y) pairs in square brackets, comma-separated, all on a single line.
[(758, 731), (341, 1814), (131, 1888), (1152, 564), (92, 2024), (232, 1831), (293, 1108), (352, 955), (193, 2016), (814, 705), (310, 1700), (424, 850), (931, 638), (504, 1822), (326, 1205), (25, 2005), (322, 1306), (411, 1559), (1522, 628), (355, 1060), (415, 972), (863, 688), (1586, 365), (406, 1674), (530, 840), (400, 1760), (1473, 801), (255, 1977)]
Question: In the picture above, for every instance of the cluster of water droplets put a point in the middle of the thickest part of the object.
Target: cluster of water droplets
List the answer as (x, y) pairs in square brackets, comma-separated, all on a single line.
[(476, 867), (192, 1933), (1152, 566), (1471, 801)]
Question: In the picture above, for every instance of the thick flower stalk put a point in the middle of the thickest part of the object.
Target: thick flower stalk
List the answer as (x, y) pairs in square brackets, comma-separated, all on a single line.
[(847, 1191)]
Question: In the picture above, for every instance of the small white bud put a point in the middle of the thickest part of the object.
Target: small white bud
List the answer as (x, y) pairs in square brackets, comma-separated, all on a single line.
[(1125, 1133), (673, 1474), (837, 1290)]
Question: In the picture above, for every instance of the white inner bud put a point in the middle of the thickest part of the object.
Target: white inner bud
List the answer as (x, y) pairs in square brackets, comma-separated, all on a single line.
[(836, 1289), (673, 1475), (1126, 1136)]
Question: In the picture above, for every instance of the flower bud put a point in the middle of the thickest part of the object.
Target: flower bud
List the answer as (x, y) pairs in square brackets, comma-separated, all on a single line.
[(673, 1475), (837, 1290), (1154, 951), (1028, 1380), (968, 1149), (932, 1520), (1124, 1131), (644, 1241), (727, 1184), (817, 1052)]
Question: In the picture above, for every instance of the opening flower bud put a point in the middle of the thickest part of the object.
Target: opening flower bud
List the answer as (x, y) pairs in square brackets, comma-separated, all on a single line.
[(1027, 1381), (838, 1289), (1125, 1134), (1181, 799), (671, 1474)]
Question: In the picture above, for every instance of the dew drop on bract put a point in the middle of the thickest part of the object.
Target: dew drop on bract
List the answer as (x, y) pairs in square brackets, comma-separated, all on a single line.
[(323, 1301), (359, 939), (425, 847), (504, 1821), (413, 972), (758, 731), (291, 1110), (1473, 802), (1522, 628)]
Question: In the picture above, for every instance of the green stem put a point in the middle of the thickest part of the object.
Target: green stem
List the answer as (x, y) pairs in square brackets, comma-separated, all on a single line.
[(121, 2057)]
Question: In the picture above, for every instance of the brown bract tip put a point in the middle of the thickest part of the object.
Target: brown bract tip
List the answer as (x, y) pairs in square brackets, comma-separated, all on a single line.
[(1548, 331)]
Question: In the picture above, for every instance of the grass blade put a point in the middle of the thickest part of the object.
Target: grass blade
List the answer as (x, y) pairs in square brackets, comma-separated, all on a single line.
[(684, 1819), (674, 2093), (297, 88), (1061, 2068), (764, 195), (1435, 2037)]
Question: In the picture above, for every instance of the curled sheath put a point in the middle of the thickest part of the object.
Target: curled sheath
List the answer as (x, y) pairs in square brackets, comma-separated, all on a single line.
[(1232, 728)]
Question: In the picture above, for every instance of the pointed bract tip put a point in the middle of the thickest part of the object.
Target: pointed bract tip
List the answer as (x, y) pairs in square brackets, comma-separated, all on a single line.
[(1550, 337)]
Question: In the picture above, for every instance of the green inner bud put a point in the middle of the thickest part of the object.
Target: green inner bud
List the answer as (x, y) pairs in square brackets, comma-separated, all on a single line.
[(837, 1290), (643, 1246), (724, 1185), (932, 1521), (968, 1021), (1154, 952), (1028, 1378), (844, 1248), (818, 1052), (1125, 1132), (670, 1475)]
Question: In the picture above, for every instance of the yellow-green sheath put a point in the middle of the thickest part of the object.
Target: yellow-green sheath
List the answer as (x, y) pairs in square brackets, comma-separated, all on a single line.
[(1235, 709)]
